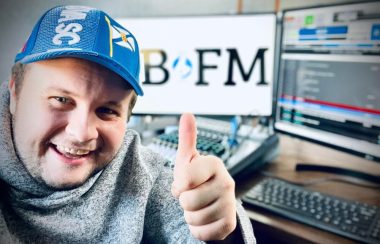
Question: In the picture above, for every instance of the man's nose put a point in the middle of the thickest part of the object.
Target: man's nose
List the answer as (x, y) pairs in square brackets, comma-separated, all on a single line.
[(82, 126)]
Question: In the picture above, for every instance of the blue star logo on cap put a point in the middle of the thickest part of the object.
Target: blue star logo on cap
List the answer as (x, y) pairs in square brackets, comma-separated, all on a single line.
[(120, 37), (123, 38)]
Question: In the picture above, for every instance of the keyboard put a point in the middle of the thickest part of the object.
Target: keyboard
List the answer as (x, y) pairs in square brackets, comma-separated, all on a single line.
[(358, 221), (256, 145)]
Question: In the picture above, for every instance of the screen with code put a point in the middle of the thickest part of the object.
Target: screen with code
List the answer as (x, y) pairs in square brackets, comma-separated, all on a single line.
[(329, 80)]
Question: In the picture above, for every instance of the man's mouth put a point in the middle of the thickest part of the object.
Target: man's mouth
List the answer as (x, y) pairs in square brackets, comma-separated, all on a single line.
[(70, 152)]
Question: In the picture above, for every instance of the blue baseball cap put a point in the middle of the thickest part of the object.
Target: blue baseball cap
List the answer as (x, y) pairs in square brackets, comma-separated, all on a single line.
[(87, 33)]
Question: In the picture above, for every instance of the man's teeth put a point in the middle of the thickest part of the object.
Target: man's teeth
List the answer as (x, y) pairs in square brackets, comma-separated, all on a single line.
[(72, 151)]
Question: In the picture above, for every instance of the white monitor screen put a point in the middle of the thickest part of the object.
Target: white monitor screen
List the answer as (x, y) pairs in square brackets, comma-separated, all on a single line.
[(211, 65)]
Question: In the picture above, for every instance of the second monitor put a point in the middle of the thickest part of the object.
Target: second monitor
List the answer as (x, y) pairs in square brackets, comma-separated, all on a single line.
[(328, 89)]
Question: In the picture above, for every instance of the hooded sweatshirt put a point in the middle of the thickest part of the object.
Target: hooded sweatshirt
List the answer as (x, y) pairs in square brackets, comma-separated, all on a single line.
[(129, 201)]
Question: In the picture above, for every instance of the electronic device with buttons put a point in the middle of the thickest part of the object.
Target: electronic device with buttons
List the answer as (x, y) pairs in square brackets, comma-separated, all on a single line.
[(249, 149)]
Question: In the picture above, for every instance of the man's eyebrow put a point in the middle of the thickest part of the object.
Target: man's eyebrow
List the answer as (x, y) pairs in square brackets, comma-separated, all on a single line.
[(60, 90)]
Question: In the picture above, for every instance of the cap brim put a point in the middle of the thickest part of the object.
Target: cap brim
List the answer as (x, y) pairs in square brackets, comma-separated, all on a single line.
[(91, 56)]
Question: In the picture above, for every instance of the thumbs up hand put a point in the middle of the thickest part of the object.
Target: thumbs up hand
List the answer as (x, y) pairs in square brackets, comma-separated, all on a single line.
[(205, 189)]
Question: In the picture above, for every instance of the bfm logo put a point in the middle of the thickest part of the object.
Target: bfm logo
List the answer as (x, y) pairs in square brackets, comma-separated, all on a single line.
[(232, 58)]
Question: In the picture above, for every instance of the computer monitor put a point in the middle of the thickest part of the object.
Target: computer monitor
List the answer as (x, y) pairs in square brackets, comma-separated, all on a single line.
[(328, 88), (207, 65)]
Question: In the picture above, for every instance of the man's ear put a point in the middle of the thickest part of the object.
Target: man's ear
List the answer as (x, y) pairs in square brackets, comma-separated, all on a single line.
[(13, 98)]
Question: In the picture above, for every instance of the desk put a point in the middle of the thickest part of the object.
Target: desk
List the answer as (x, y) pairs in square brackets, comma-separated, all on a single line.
[(270, 228)]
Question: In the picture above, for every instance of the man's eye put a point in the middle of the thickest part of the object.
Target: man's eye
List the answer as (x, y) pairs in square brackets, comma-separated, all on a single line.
[(107, 111), (63, 100)]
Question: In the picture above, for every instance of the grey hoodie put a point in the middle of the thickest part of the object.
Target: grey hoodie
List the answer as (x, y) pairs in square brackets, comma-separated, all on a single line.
[(129, 201)]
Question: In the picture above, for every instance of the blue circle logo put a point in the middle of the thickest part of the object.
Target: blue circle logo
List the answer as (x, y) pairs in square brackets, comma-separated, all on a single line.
[(183, 66)]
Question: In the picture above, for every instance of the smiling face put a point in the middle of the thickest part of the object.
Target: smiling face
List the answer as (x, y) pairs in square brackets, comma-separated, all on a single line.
[(69, 119)]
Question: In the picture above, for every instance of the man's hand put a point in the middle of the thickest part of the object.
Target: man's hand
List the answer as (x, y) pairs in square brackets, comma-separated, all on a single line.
[(204, 187)]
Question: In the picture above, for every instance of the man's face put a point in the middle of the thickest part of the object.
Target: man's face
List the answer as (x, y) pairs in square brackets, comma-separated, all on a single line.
[(69, 119)]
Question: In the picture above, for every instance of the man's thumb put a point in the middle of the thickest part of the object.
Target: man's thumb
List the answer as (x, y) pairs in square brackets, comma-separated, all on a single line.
[(187, 138)]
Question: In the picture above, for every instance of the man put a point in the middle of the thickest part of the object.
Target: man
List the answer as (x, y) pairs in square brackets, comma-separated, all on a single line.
[(71, 172)]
